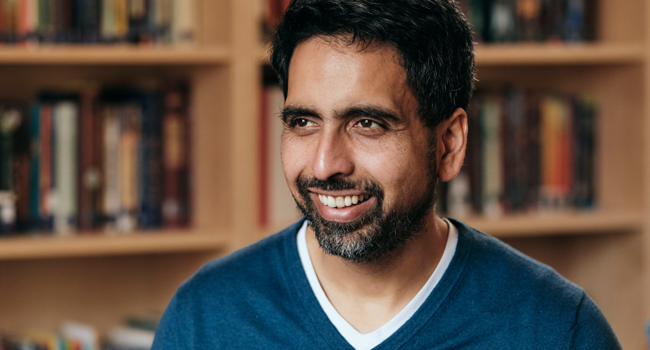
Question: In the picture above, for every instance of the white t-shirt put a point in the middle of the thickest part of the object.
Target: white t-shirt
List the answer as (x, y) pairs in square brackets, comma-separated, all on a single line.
[(370, 340)]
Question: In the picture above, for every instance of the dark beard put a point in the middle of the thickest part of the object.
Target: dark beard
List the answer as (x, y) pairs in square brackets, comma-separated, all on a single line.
[(376, 233)]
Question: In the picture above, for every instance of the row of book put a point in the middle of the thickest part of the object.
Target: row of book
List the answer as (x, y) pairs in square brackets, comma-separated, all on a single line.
[(134, 334), (526, 151), (276, 205), (116, 159), (98, 21), (499, 21)]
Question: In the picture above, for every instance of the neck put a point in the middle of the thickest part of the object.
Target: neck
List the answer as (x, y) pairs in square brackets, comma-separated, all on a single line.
[(382, 288)]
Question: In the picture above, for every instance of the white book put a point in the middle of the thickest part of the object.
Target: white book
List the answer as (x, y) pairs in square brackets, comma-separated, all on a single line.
[(492, 182), (111, 194), (65, 116), (183, 23), (282, 207), (108, 30)]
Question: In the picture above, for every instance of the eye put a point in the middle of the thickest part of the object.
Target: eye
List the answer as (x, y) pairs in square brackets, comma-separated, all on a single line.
[(302, 122), (367, 123)]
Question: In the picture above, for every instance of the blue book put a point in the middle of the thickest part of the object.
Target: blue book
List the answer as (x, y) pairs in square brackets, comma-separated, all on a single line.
[(35, 166), (152, 184)]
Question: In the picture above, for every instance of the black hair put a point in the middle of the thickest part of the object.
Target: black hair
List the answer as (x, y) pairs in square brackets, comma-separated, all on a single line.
[(433, 38)]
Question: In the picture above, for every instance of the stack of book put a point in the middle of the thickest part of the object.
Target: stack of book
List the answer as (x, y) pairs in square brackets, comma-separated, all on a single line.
[(117, 159), (526, 151), (97, 21), (499, 21)]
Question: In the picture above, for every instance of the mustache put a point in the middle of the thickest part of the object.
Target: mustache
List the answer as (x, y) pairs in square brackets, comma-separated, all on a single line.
[(338, 184)]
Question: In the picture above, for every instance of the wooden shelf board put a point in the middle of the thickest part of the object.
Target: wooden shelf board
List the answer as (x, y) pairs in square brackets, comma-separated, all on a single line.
[(558, 54), (111, 55), (100, 244), (550, 224)]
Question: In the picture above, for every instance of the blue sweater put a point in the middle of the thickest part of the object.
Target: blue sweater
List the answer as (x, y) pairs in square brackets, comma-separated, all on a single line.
[(490, 297)]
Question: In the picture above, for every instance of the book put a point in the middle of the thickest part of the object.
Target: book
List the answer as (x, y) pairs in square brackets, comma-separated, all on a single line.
[(152, 181), (65, 117), (130, 118), (183, 23), (526, 151), (21, 172), (34, 166), (10, 120), (89, 160), (111, 167), (175, 157)]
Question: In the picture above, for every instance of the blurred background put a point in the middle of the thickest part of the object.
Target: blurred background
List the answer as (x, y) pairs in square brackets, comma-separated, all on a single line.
[(139, 139)]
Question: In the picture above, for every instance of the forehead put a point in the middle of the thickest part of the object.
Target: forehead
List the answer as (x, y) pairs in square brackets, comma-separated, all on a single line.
[(330, 73)]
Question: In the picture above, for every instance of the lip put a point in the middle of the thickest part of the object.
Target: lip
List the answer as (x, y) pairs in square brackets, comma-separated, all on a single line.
[(342, 193), (345, 214)]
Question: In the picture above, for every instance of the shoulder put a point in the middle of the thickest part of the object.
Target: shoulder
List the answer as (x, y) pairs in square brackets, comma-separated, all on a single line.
[(528, 299), (257, 264), (508, 269), (230, 296)]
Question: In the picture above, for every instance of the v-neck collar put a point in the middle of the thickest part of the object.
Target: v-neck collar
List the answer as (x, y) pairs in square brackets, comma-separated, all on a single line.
[(321, 325)]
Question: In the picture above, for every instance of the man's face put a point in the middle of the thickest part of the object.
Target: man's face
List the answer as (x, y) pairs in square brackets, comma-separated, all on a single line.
[(357, 158)]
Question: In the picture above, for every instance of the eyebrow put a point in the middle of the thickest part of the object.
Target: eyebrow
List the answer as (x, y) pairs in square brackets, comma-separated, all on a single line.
[(363, 111)]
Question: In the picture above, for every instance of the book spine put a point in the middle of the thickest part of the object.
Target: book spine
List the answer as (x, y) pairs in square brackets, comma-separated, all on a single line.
[(532, 151), (152, 162), (175, 159), (138, 22), (10, 119), (183, 22), (528, 20), (34, 166), (492, 174), (89, 19), (65, 114), (129, 146), (108, 31), (111, 170), (89, 176), (46, 174), (121, 17), (21, 176)]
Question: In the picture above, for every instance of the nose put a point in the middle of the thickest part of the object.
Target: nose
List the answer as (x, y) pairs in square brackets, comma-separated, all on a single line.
[(333, 156)]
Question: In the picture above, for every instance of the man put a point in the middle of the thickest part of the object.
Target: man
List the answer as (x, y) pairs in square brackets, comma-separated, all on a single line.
[(376, 93)]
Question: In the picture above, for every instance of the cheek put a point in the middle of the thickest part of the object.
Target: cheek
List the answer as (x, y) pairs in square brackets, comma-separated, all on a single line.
[(294, 156), (400, 168)]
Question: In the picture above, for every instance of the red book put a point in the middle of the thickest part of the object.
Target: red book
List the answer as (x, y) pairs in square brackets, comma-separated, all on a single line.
[(89, 175), (175, 158), (45, 183)]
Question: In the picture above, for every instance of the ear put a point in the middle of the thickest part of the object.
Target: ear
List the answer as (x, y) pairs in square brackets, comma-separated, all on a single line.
[(451, 136)]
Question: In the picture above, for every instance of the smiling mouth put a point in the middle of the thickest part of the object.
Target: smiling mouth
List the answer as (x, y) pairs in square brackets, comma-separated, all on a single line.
[(342, 201)]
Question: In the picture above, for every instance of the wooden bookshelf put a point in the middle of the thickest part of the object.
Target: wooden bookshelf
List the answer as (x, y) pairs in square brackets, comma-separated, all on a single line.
[(107, 244), (95, 55), (559, 54), (100, 279), (554, 224)]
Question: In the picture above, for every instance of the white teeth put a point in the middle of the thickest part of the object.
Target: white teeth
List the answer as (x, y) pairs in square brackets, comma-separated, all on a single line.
[(340, 202)]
